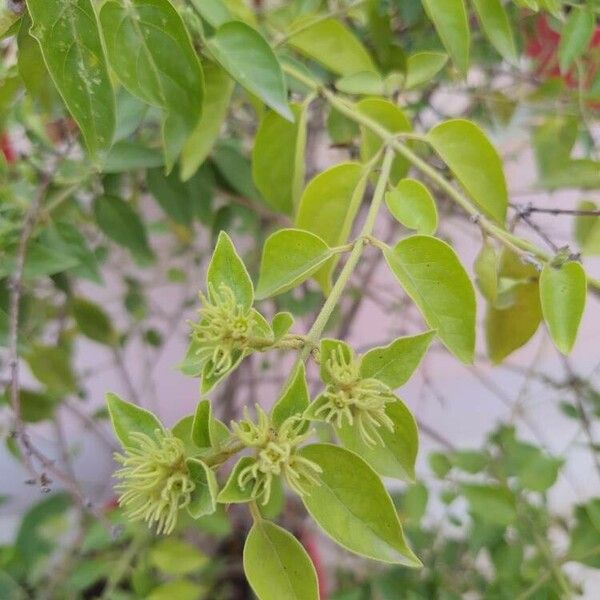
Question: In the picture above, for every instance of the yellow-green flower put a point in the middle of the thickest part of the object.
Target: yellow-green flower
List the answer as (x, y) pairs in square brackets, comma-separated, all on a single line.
[(223, 329), (350, 399), (155, 482), (276, 454)]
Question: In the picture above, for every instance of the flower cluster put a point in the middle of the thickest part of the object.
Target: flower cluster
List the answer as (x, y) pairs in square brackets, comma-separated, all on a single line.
[(353, 400), (222, 330), (155, 482), (275, 455)]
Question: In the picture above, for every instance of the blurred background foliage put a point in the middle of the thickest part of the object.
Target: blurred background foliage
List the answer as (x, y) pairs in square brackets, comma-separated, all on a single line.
[(480, 518)]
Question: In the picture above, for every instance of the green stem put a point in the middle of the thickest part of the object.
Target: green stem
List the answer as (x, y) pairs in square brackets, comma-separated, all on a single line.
[(324, 315)]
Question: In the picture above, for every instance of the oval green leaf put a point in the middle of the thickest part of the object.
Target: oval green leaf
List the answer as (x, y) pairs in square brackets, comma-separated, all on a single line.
[(576, 36), (248, 58), (277, 566), (290, 256), (510, 327), (432, 275), (412, 205), (128, 418), (449, 18), (396, 458), (422, 67), (563, 292), (353, 507), (395, 363), (469, 154), (391, 117), (218, 87), (278, 159), (72, 49), (204, 495), (332, 45), (328, 207), (294, 399), (151, 53), (496, 25), (226, 267)]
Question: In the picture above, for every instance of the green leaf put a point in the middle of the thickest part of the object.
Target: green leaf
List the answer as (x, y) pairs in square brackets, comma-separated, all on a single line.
[(128, 418), (277, 566), (182, 589), (281, 324), (151, 53), (587, 230), (75, 244), (331, 44), (213, 12), (422, 67), (328, 207), (32, 68), (395, 363), (450, 20), (35, 406), (204, 495), (51, 365), (248, 58), (176, 557), (232, 493), (218, 87), (563, 292), (93, 322), (353, 507), (183, 430), (491, 503), (226, 267), (70, 42), (278, 159), (201, 424), (119, 222), (290, 256), (340, 128), (366, 83), (512, 326), (128, 155), (576, 36), (432, 275), (486, 270), (412, 205), (396, 457), (42, 259), (585, 536), (235, 169), (173, 195), (496, 25), (390, 116), (294, 399), (465, 148)]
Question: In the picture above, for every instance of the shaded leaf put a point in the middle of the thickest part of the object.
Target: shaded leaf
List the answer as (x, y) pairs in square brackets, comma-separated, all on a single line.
[(70, 42), (248, 58), (328, 207), (151, 53)]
